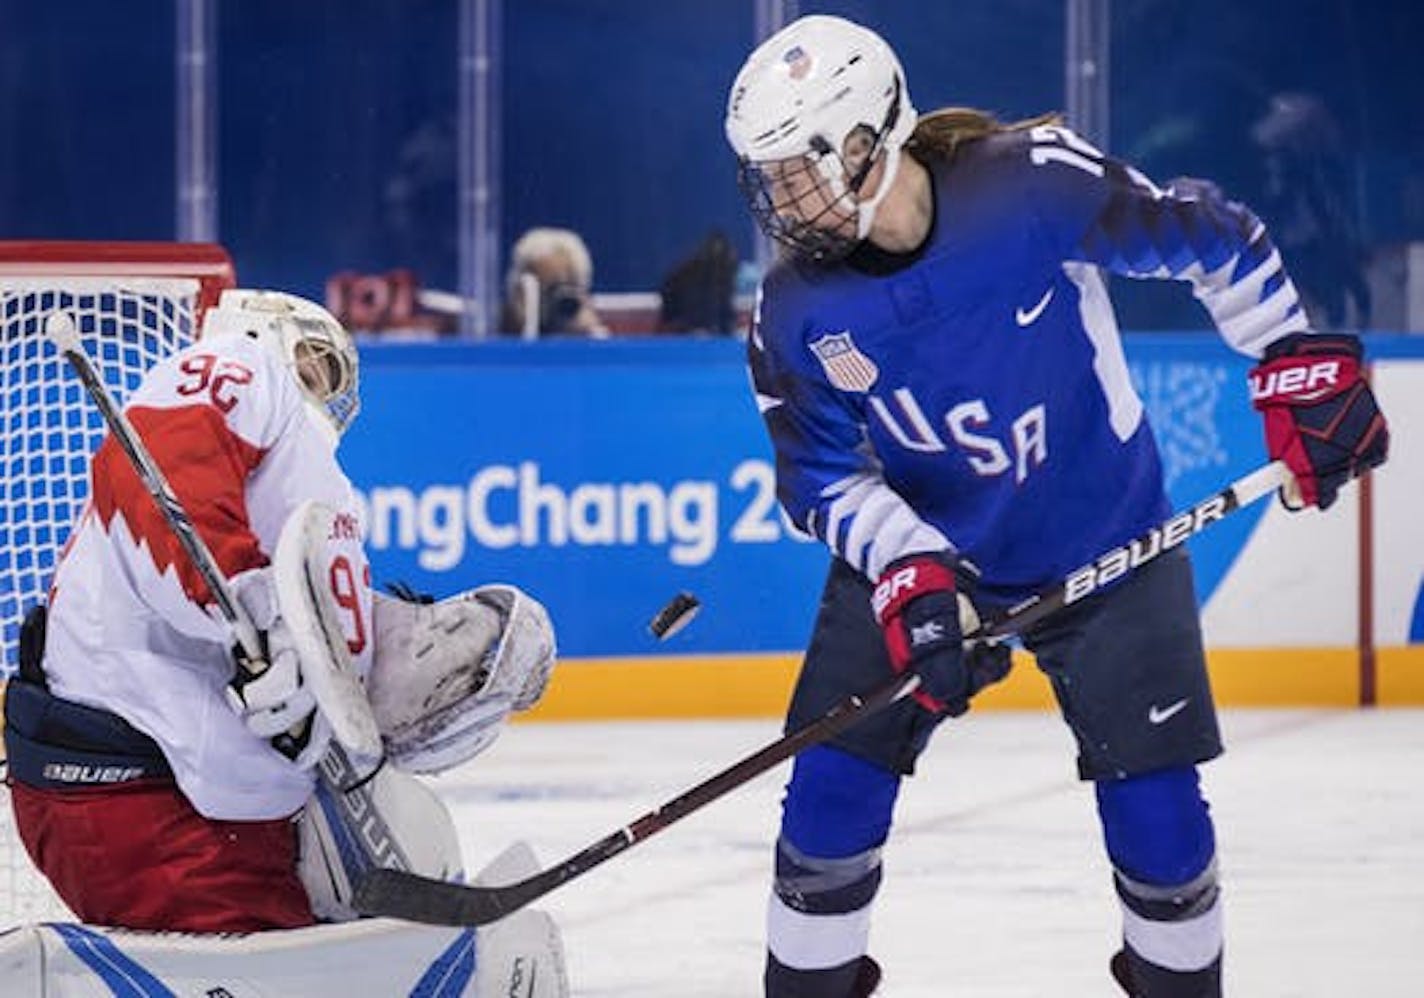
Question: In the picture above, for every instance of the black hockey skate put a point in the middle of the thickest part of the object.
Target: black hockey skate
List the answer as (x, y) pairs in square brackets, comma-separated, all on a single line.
[(1120, 972), (852, 979), (868, 979), (1159, 983)]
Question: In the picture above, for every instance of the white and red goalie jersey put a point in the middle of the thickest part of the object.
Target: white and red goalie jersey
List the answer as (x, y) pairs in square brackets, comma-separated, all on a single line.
[(128, 630)]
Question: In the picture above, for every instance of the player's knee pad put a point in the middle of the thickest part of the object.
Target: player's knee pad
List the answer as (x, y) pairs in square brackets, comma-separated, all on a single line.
[(392, 820), (1157, 827), (818, 886)]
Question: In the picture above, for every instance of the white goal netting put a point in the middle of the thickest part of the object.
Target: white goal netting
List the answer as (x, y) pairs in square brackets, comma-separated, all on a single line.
[(48, 429)]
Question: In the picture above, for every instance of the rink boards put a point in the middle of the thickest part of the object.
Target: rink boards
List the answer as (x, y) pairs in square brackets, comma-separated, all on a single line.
[(606, 477)]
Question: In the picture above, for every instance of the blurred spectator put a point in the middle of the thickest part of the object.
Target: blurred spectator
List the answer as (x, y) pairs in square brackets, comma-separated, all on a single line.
[(392, 303), (547, 288), (697, 293), (1307, 208)]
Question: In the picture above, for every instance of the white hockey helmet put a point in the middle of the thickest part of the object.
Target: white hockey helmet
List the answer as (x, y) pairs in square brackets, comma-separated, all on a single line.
[(811, 112), (307, 338)]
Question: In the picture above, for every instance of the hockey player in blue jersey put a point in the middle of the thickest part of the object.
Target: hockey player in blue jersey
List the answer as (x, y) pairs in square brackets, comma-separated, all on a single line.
[(941, 374)]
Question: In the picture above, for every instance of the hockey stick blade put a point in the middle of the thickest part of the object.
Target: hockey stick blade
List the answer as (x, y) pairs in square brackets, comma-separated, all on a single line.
[(409, 896)]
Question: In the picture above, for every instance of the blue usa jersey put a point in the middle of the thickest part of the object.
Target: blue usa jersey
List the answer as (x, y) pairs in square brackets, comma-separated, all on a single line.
[(976, 398)]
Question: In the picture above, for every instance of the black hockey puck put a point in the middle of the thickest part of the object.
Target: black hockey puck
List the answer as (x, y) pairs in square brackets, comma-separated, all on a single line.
[(675, 616)]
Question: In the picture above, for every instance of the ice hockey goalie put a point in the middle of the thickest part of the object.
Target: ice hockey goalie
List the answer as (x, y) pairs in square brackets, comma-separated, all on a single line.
[(212, 815)]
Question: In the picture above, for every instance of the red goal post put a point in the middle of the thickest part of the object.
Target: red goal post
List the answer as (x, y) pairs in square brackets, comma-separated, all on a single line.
[(134, 303)]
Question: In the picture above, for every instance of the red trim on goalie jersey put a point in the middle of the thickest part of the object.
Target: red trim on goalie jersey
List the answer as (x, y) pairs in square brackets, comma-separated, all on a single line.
[(207, 466)]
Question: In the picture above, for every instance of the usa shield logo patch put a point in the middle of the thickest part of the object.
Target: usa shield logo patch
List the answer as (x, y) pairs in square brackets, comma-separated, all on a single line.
[(846, 367), (798, 63)]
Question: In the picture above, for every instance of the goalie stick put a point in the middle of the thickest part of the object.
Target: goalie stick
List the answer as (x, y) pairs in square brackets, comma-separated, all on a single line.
[(396, 894)]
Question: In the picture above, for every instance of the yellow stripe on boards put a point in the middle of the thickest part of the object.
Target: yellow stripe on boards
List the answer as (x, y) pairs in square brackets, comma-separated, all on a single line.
[(1401, 676), (760, 685), (683, 686), (1285, 677)]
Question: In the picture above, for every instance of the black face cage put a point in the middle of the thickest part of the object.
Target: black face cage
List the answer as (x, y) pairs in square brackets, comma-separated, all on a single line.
[(807, 236), (802, 233)]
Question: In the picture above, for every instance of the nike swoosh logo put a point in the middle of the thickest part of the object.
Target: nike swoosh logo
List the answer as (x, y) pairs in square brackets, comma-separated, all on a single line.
[(1156, 715), (1031, 316)]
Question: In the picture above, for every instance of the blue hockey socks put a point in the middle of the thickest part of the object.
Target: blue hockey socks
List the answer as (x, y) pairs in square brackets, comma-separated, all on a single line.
[(1160, 839), (835, 818)]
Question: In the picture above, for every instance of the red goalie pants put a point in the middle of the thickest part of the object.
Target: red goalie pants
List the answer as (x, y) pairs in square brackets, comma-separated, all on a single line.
[(140, 857)]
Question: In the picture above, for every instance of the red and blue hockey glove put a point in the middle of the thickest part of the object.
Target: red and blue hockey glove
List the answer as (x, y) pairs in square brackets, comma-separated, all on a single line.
[(1322, 420), (918, 605)]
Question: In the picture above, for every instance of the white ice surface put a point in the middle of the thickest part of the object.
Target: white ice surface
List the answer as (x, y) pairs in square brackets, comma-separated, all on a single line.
[(996, 885)]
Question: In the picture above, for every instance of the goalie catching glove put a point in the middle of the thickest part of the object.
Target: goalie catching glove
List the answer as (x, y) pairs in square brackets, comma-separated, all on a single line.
[(924, 616), (1322, 420), (447, 674)]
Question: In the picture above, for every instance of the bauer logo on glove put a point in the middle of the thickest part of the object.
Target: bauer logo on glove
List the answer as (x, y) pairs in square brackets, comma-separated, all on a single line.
[(1302, 384), (1321, 418)]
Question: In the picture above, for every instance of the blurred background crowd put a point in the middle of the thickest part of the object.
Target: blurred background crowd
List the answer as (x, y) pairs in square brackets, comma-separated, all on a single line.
[(557, 167)]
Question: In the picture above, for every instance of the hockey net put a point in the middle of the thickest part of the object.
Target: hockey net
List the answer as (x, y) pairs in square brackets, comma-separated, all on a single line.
[(133, 303)]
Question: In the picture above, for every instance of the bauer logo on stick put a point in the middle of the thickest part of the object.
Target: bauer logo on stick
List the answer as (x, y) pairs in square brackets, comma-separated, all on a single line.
[(675, 616)]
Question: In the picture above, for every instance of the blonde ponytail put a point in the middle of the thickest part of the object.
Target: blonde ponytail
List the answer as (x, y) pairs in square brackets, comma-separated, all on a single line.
[(939, 134)]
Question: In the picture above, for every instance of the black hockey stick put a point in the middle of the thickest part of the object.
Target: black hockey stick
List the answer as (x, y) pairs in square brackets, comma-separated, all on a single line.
[(397, 894)]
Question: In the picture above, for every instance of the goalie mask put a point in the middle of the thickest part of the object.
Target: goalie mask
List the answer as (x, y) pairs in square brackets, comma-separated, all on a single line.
[(306, 338), (811, 113)]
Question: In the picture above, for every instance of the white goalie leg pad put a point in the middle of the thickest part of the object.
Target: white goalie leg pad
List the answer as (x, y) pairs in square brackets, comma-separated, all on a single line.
[(392, 821), (523, 953), (519, 957), (22, 961), (446, 675)]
